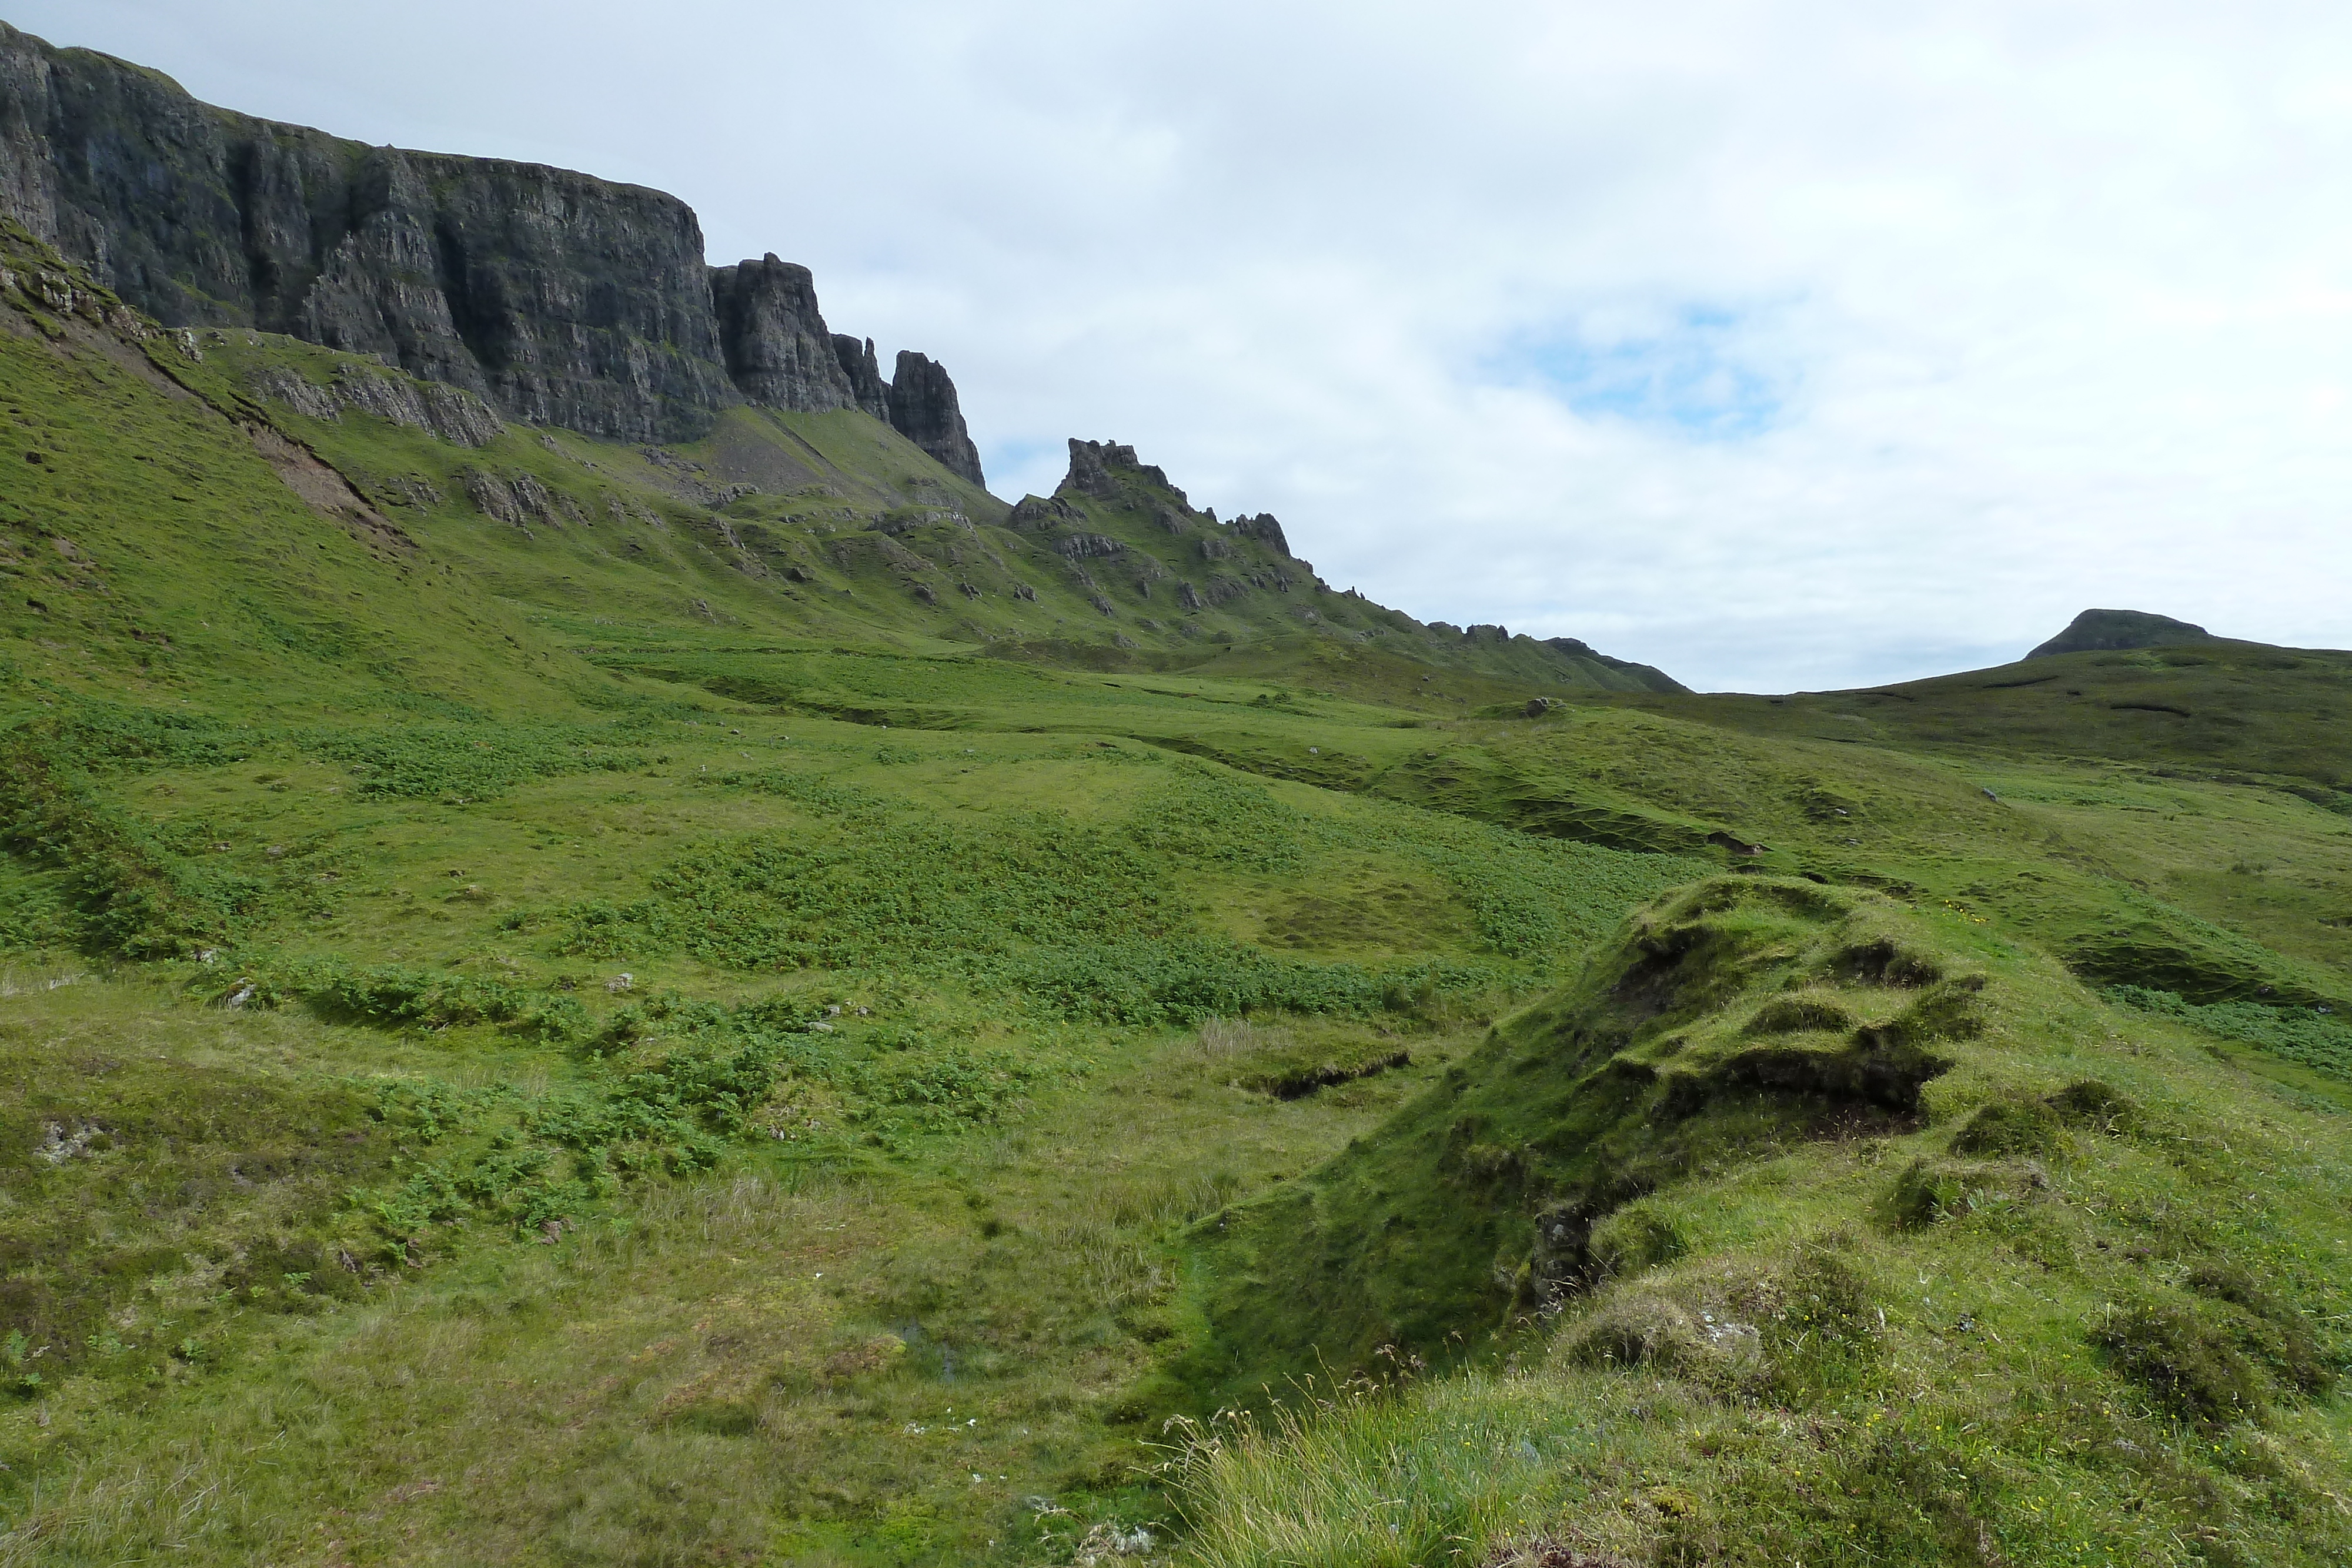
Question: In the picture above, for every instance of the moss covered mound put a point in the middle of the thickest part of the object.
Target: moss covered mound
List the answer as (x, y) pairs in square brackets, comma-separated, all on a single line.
[(1737, 1018)]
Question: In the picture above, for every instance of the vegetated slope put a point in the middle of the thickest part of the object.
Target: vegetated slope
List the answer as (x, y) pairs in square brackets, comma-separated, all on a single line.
[(158, 544), (1855, 1234), (436, 848), (785, 1105), (778, 525), (469, 967), (2152, 873)]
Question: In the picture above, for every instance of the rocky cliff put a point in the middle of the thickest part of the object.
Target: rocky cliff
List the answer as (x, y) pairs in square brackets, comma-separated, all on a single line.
[(779, 352), (923, 409), (558, 298), (864, 373)]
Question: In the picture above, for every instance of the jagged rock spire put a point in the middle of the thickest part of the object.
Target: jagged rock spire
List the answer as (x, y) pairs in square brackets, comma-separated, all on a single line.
[(923, 409)]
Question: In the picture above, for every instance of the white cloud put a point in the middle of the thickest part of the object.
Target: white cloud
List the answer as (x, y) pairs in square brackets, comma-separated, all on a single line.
[(2016, 309)]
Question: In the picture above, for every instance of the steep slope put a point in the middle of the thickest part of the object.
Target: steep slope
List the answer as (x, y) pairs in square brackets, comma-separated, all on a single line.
[(1140, 549), (776, 527), (1746, 1018), (555, 300), (161, 545)]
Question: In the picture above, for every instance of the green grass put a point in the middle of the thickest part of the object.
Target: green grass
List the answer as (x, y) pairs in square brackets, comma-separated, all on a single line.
[(658, 1030), (1792, 1322)]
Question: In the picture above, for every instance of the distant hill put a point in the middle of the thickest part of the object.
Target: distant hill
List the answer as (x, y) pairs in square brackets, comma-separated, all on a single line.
[(2210, 704), (2109, 630)]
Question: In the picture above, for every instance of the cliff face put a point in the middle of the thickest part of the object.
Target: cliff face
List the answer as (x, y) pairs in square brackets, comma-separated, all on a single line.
[(778, 349), (923, 408), (559, 297), (562, 299)]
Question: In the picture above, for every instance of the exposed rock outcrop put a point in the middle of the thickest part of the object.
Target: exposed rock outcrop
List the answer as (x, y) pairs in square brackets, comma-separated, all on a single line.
[(1079, 547), (1091, 469), (563, 298), (864, 372), (1038, 512), (516, 498), (1105, 469), (450, 412), (1265, 529), (779, 350), (924, 410)]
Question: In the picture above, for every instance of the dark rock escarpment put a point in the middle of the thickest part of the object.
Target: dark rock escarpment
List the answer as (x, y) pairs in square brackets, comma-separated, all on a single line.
[(563, 299), (923, 409), (1090, 468), (1265, 529), (864, 372), (557, 297), (779, 350), (1105, 470)]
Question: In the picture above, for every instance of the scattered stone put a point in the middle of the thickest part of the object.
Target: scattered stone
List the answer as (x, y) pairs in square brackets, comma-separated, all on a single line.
[(61, 1142), (1107, 1541)]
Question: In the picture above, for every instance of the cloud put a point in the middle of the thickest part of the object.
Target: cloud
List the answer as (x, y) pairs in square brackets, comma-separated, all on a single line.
[(1784, 344)]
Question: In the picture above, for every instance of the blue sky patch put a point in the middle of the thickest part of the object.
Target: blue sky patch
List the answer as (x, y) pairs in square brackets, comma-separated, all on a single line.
[(1691, 374)]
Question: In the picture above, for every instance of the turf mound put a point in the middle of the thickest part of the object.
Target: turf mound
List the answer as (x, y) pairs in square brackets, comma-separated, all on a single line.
[(1803, 1227), (1737, 1018)]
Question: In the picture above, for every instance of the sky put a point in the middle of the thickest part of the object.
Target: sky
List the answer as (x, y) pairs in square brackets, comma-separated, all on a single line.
[(1785, 345)]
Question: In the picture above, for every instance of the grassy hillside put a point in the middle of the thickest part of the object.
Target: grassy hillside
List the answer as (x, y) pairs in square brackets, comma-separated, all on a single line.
[(1825, 1229), (2237, 711), (567, 1002)]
